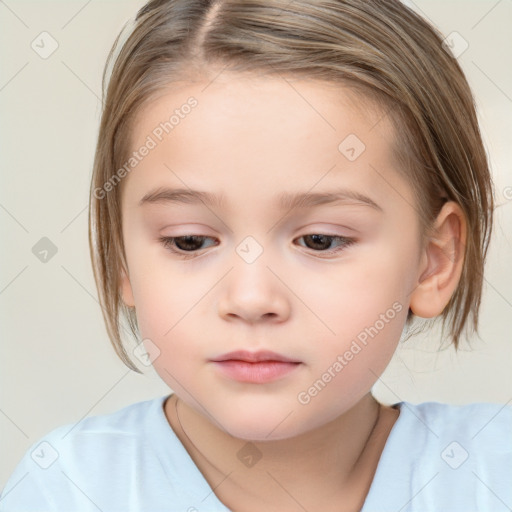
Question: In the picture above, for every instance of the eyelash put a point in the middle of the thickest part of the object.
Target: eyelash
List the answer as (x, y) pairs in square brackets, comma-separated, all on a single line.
[(168, 243)]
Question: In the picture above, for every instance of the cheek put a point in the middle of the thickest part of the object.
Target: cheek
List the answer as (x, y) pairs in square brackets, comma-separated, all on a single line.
[(364, 306), (171, 309), (355, 295), (345, 366), (163, 298)]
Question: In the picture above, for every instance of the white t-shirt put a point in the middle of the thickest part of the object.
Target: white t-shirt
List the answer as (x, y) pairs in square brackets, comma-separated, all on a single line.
[(438, 457)]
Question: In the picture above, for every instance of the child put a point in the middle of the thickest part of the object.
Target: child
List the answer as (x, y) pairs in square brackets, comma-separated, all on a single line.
[(279, 188)]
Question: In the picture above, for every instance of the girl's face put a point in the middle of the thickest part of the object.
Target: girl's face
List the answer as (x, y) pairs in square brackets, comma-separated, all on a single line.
[(325, 282)]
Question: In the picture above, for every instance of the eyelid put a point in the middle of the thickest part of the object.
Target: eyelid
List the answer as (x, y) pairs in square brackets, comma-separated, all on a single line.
[(168, 243)]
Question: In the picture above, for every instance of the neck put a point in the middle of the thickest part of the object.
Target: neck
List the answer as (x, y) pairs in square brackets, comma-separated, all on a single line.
[(336, 459)]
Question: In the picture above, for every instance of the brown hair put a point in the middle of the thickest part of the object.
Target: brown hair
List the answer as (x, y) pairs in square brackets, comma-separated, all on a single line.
[(381, 49)]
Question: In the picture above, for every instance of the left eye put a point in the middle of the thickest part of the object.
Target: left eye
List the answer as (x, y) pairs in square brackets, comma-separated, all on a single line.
[(327, 240), (181, 245)]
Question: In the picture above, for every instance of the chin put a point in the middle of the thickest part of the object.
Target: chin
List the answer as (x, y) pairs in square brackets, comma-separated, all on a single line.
[(259, 425)]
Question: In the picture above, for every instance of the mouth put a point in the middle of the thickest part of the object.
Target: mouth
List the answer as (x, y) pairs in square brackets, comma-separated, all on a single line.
[(254, 357), (255, 367)]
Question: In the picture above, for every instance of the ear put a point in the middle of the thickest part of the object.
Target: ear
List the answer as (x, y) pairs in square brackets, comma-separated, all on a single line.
[(126, 289), (441, 263)]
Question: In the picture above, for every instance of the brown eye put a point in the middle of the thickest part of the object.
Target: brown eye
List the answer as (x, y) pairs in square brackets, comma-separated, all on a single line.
[(188, 243), (181, 245), (323, 243), (187, 246)]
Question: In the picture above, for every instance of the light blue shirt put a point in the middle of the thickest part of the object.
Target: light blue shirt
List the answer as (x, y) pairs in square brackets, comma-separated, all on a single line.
[(438, 458)]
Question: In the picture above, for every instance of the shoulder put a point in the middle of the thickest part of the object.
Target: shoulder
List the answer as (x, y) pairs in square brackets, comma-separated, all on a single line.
[(124, 421), (441, 456), (481, 422), (97, 436), (481, 431), (466, 450), (57, 468)]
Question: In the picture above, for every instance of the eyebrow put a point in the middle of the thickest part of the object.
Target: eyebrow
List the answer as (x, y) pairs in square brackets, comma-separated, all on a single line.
[(286, 200)]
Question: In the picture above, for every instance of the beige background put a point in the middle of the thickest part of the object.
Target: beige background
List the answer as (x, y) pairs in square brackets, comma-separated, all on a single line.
[(57, 365)]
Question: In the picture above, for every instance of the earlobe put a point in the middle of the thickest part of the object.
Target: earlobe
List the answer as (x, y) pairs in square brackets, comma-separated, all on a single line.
[(126, 289), (441, 263)]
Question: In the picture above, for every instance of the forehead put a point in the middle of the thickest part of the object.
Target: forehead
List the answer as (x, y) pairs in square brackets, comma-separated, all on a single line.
[(230, 100), (273, 134)]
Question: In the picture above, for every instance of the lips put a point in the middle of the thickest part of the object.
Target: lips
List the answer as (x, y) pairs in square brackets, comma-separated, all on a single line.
[(255, 367), (254, 357)]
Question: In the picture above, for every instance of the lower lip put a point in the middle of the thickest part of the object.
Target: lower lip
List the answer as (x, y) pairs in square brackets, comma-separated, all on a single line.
[(257, 373)]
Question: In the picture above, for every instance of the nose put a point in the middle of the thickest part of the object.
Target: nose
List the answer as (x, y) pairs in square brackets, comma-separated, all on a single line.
[(254, 293)]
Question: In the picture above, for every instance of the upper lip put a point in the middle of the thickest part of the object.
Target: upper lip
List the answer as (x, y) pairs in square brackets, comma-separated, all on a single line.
[(254, 357)]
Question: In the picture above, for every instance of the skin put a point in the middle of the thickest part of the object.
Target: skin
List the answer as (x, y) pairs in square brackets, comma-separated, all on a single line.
[(252, 139)]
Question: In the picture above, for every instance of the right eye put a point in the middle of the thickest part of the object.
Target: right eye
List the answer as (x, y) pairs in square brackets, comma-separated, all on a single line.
[(181, 245)]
